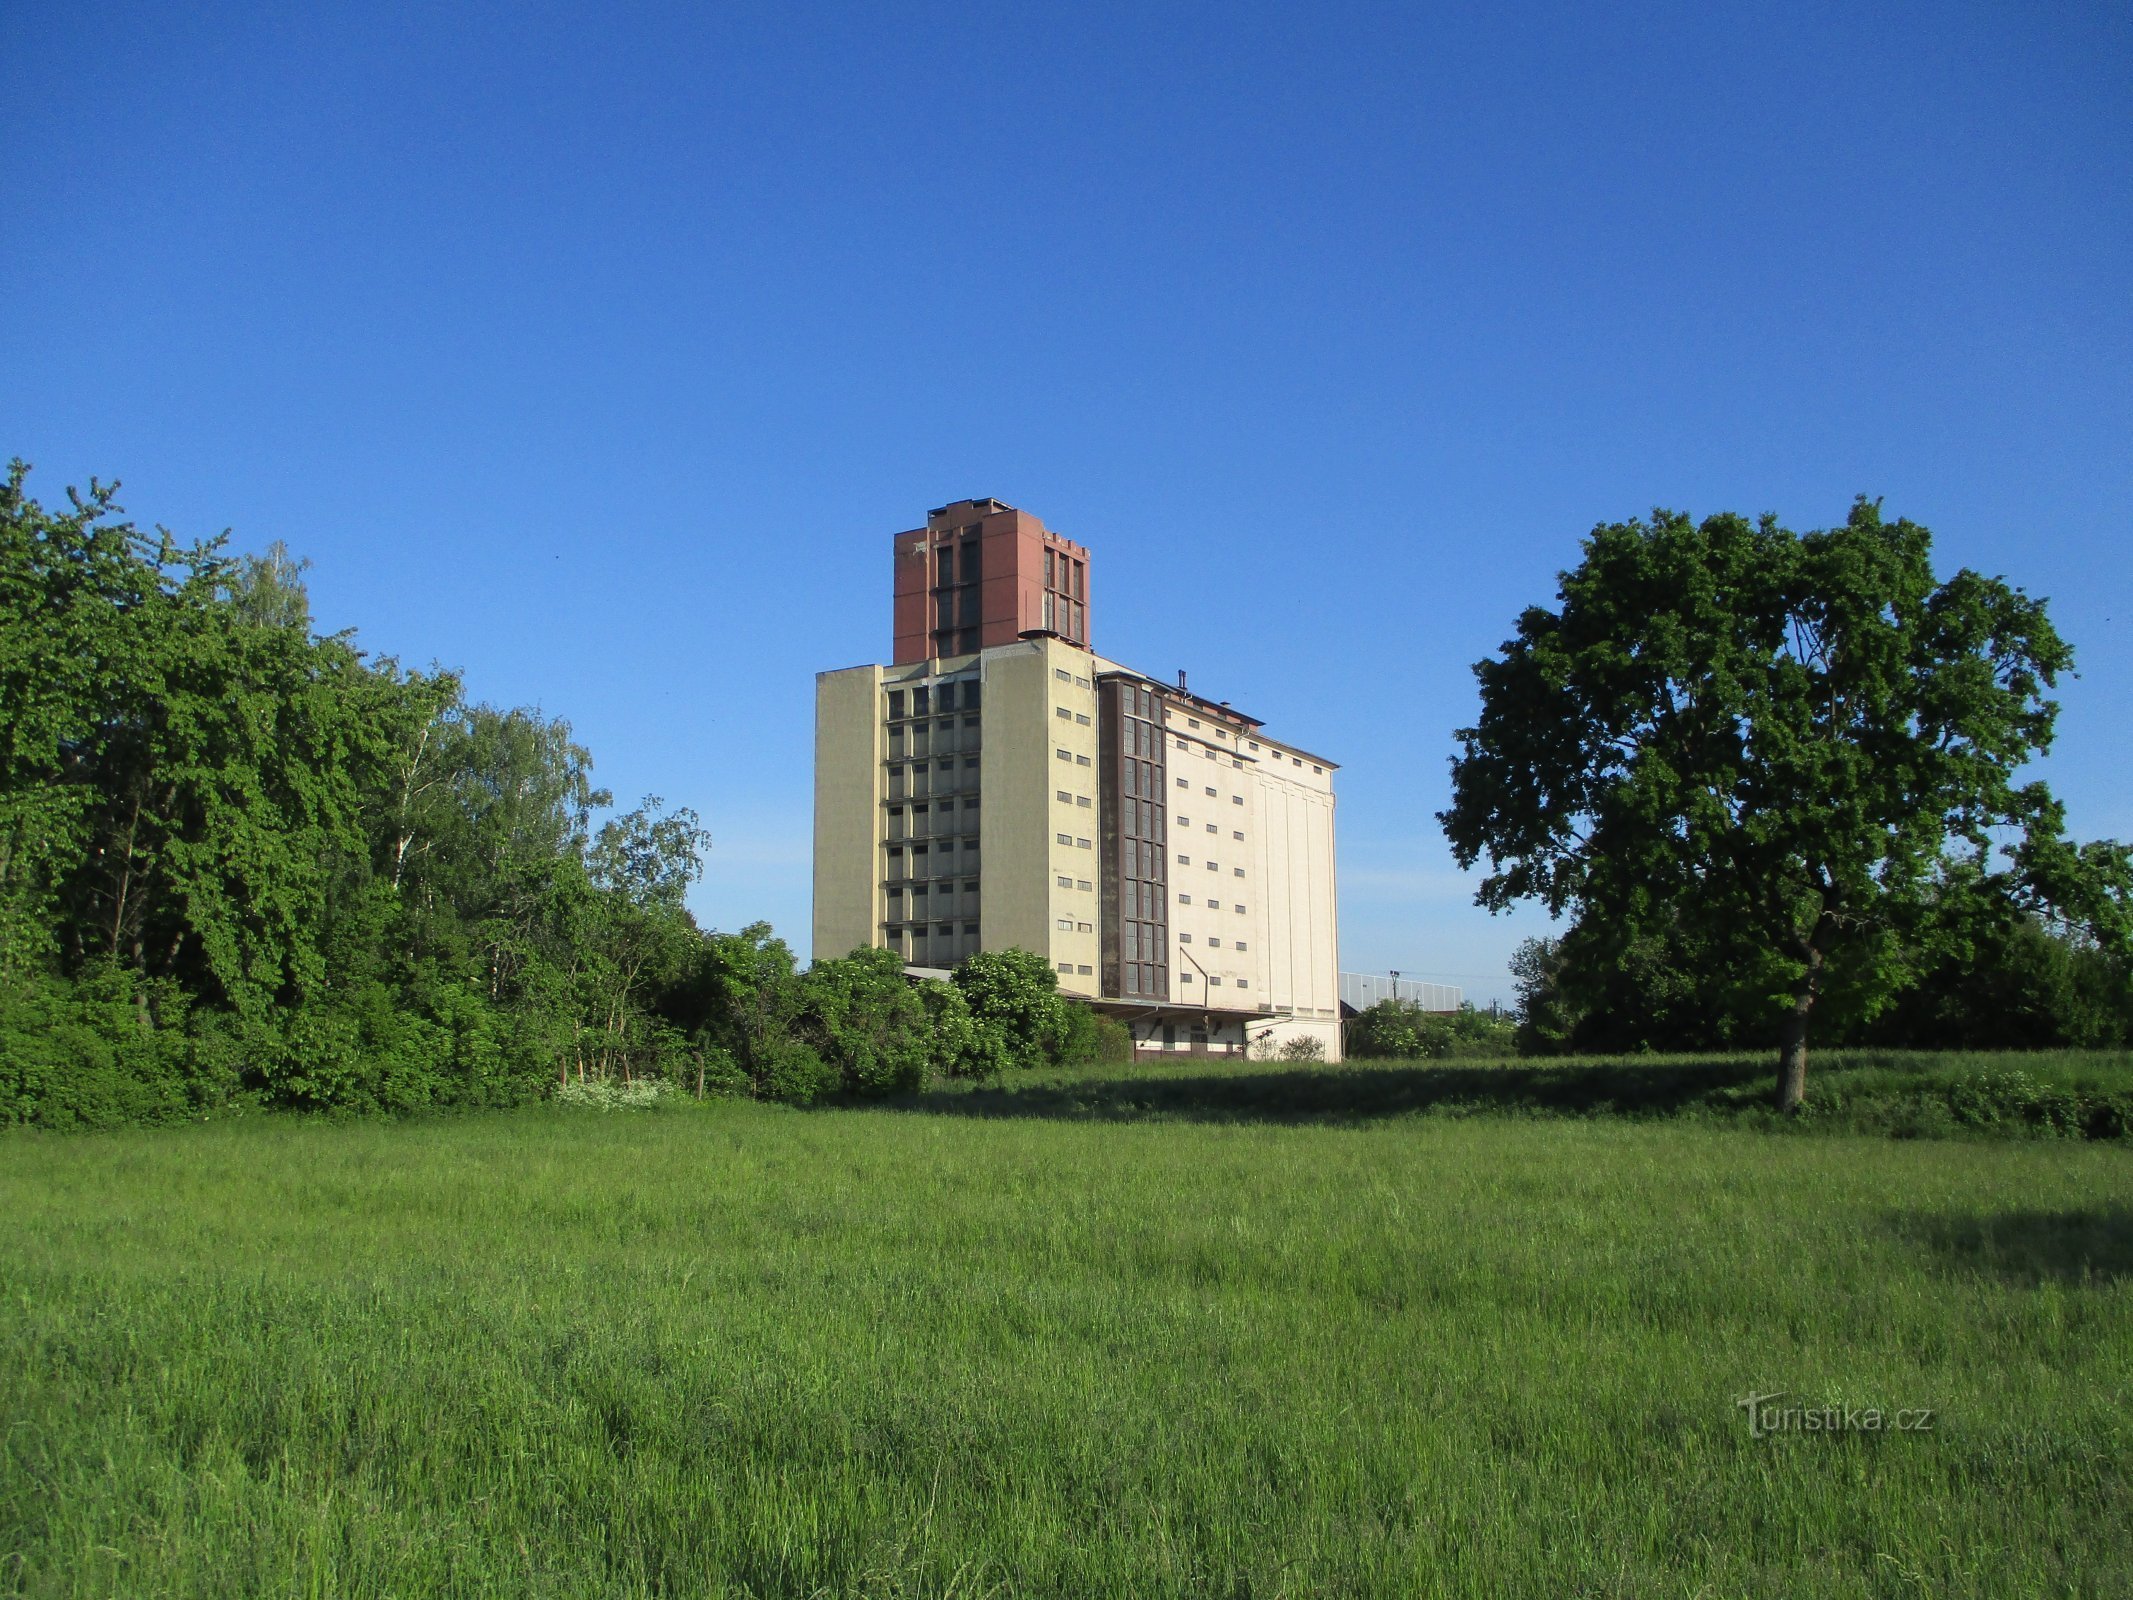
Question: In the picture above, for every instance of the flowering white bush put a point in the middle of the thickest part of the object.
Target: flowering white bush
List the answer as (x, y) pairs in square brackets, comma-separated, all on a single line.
[(606, 1096)]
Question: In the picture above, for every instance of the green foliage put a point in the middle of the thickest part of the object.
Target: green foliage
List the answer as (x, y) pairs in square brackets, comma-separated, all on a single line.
[(1760, 750), (239, 862), (866, 1021), (1399, 1030), (1017, 992)]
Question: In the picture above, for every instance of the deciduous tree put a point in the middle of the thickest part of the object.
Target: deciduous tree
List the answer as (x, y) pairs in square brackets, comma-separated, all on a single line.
[(1769, 745)]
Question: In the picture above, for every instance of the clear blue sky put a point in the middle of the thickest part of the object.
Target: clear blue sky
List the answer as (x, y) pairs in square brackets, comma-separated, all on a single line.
[(597, 351)]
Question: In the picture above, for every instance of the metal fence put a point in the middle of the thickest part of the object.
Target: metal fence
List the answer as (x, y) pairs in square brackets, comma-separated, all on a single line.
[(1362, 990)]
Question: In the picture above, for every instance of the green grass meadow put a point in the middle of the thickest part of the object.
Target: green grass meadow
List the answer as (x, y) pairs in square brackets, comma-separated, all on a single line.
[(1076, 1336)]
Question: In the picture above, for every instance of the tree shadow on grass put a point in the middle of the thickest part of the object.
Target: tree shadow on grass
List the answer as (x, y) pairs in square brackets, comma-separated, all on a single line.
[(2088, 1244), (1363, 1093)]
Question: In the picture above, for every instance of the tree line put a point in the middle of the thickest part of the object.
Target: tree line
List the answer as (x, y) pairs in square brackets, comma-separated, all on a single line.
[(242, 863)]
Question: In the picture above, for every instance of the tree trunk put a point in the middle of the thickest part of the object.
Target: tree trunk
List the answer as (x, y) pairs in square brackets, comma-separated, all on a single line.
[(1792, 1039)]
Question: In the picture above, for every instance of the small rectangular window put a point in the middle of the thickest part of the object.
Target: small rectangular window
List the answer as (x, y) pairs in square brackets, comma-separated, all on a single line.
[(1244, 983), (1084, 844), (1184, 783), (1215, 983), (1062, 674), (1240, 944), (1082, 718), (1184, 899), (1065, 795), (1215, 943), (1082, 971), (921, 705), (1236, 799), (1066, 966), (1061, 711), (896, 702), (1064, 838), (1210, 794), (1183, 820), (1237, 872), (1065, 882), (1065, 755), (1192, 722), (1184, 977), (1184, 861), (1211, 828), (1081, 761), (1214, 866), (1066, 924), (1236, 833), (1184, 938), (1081, 800), (1084, 927)]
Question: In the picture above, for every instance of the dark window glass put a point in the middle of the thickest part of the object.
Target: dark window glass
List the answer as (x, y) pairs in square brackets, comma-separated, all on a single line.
[(919, 705), (896, 702)]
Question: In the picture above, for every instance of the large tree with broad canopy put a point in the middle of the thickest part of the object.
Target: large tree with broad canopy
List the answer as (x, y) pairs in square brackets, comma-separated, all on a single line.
[(1774, 743)]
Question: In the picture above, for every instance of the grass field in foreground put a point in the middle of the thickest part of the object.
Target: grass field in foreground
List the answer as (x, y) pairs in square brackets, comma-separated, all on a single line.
[(737, 1349)]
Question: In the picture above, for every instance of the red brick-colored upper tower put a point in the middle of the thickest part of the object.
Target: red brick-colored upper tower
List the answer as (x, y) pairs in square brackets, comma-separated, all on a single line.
[(980, 573)]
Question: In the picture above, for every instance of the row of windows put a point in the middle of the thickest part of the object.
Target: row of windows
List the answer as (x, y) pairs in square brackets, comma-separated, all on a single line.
[(929, 778), (1070, 968), (1211, 793), (1215, 983), (1141, 777), (1142, 819), (932, 820), (1069, 925), (1212, 905), (1063, 713), (1216, 944), (1069, 839), (1066, 882), (1294, 761), (1064, 573), (1151, 978), (1063, 616), (1068, 755), (943, 898), (940, 946), (1065, 676), (930, 699), (973, 561), (1212, 866), (1141, 858), (1068, 798), (943, 860), (1186, 822), (1142, 941), (933, 738)]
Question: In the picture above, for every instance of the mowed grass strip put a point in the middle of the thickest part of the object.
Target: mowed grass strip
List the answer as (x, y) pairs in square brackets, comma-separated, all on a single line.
[(741, 1350)]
